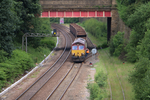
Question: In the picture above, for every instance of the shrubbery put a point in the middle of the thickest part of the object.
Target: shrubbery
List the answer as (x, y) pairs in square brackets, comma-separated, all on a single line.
[(140, 79), (47, 43), (66, 20), (18, 18), (96, 28), (116, 44), (104, 45), (19, 62), (3, 56), (97, 91), (135, 13), (101, 79)]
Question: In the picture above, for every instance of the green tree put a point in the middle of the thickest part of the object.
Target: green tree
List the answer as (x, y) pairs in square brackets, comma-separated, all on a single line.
[(117, 44), (137, 22), (140, 79), (8, 24), (26, 10)]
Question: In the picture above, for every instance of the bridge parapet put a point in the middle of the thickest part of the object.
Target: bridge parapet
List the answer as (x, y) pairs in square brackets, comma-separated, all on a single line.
[(75, 5)]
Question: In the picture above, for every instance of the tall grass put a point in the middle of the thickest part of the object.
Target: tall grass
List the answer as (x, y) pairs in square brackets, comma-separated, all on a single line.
[(38, 54), (113, 67)]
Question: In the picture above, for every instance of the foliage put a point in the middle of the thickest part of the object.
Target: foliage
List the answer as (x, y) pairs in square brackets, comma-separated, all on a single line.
[(116, 44), (71, 20), (54, 20), (96, 28), (3, 56), (101, 79), (27, 10), (47, 43), (8, 24), (38, 54), (131, 48), (19, 62), (18, 17), (2, 78), (143, 49), (96, 89), (140, 79), (21, 59), (66, 20), (135, 14), (41, 25), (104, 45)]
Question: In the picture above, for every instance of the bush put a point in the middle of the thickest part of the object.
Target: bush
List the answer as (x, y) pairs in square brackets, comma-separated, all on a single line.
[(140, 79), (96, 28), (2, 78), (95, 91), (101, 79), (10, 70), (104, 45), (47, 43), (21, 59), (19, 62), (3, 56), (143, 49), (116, 44), (131, 48)]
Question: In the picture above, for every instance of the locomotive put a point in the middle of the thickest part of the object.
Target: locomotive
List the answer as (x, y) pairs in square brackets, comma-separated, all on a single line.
[(79, 46)]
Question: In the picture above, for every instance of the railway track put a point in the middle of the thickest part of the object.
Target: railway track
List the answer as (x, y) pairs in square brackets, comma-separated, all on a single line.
[(65, 83), (54, 83), (49, 74), (111, 96)]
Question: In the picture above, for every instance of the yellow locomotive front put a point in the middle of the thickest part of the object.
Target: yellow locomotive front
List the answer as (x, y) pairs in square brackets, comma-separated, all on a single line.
[(78, 49)]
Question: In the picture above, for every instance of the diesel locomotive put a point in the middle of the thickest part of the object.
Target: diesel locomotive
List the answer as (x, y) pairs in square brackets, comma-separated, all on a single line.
[(79, 46)]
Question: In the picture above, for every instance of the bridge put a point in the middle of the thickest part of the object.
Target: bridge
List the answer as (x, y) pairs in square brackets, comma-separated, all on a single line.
[(83, 9)]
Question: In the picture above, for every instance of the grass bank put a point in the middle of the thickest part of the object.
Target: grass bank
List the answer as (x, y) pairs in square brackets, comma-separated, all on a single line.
[(117, 72), (38, 54)]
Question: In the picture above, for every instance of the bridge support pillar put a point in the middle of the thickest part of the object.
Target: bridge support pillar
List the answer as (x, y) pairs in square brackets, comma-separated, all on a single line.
[(108, 28), (114, 19)]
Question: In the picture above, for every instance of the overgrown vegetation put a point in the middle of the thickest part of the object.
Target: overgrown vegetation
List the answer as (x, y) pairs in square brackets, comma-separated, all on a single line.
[(11, 68), (97, 89), (135, 14), (116, 44), (97, 29), (66, 20), (110, 66), (17, 18)]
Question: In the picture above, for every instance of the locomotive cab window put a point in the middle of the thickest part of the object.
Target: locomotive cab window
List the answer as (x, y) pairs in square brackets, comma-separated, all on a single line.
[(74, 47), (81, 47)]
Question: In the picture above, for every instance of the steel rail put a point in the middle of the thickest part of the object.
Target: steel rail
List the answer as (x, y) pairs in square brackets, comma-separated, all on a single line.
[(45, 73), (60, 82), (70, 82)]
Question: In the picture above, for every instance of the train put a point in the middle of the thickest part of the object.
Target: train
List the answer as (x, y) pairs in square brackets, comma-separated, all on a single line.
[(79, 48)]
